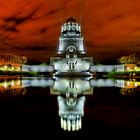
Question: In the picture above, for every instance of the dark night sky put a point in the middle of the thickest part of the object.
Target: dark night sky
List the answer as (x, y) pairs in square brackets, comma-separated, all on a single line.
[(111, 28)]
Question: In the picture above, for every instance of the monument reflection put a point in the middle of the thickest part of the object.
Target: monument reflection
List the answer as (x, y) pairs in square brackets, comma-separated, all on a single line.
[(71, 100), (71, 93)]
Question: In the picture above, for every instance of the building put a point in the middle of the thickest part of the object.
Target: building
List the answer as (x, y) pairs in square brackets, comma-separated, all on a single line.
[(71, 57), (125, 67), (12, 62)]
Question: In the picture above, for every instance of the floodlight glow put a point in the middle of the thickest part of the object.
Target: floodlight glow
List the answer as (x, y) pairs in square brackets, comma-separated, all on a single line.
[(5, 67), (5, 84), (13, 83)]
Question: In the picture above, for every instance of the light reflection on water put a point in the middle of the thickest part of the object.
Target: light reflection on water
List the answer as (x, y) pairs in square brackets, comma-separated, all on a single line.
[(70, 92)]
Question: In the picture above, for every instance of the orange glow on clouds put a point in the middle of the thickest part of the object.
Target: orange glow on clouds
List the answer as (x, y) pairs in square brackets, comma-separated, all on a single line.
[(111, 27)]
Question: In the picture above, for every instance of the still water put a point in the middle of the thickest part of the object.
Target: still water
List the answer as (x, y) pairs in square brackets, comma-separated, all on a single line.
[(70, 105)]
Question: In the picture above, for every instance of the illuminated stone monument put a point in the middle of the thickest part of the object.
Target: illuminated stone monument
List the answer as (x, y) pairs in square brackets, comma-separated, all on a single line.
[(71, 57)]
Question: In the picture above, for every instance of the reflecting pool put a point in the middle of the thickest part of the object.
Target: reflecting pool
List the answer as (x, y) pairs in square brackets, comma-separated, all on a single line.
[(71, 105)]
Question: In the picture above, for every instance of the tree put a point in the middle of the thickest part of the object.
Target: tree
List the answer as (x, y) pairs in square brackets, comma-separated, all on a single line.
[(130, 59)]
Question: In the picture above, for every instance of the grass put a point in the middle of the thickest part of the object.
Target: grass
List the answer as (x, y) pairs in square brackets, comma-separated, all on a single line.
[(18, 73), (126, 74)]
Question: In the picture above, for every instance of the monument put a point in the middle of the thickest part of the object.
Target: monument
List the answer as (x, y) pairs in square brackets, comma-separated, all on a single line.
[(71, 57)]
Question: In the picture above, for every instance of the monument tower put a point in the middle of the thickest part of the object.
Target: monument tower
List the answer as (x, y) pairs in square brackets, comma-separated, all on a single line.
[(71, 57)]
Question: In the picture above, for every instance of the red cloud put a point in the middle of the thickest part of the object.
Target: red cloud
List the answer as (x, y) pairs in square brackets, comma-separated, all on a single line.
[(32, 27)]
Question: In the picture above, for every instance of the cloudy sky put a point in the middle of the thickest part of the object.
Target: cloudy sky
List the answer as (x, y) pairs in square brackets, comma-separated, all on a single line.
[(31, 28)]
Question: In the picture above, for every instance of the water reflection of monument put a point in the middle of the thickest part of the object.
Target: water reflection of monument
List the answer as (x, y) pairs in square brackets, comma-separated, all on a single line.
[(71, 101), (71, 93), (61, 86)]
